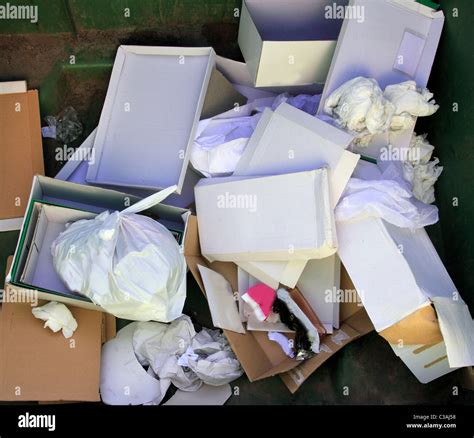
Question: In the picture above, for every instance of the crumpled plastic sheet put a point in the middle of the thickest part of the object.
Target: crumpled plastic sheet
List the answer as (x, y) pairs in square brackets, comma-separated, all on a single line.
[(173, 354), (386, 199), (360, 106), (221, 140), (64, 127), (57, 317)]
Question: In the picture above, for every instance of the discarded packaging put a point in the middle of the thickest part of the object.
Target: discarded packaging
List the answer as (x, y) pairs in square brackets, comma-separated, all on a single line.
[(57, 317)]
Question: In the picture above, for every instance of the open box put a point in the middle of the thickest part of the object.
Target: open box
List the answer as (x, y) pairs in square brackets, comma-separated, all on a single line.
[(403, 37), (32, 268), (220, 96), (260, 357), (288, 43), (153, 104)]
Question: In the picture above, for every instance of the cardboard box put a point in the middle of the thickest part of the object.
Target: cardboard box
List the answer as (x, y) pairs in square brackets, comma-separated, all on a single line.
[(275, 148), (220, 97), (21, 154), (39, 365), (90, 200), (152, 108), (34, 267), (289, 140), (399, 275), (396, 42), (288, 43), (260, 357), (280, 217)]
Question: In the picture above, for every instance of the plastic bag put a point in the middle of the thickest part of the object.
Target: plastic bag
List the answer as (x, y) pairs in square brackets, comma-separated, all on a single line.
[(64, 127), (127, 263), (386, 199)]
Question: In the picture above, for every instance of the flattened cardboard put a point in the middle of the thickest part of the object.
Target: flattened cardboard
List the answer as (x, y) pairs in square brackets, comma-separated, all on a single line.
[(152, 107), (21, 154), (260, 357), (396, 42), (37, 364), (264, 210), (288, 43)]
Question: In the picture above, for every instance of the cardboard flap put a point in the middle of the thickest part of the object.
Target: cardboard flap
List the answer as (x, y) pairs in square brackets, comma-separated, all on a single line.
[(420, 327)]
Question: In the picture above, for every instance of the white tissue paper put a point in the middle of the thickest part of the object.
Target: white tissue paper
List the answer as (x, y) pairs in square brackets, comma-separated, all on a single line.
[(221, 140), (129, 264), (57, 317), (211, 358), (409, 102), (360, 106), (420, 150), (385, 199), (145, 358), (419, 171)]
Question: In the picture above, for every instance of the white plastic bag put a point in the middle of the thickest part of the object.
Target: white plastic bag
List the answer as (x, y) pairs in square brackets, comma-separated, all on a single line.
[(386, 199), (128, 264)]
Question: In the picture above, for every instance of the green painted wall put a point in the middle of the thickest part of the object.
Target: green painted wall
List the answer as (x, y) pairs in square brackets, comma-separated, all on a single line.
[(76, 15)]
